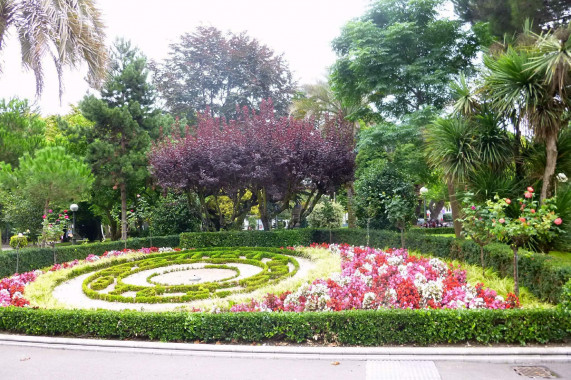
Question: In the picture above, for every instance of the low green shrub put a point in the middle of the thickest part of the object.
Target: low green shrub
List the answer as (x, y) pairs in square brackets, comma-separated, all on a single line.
[(273, 270), (35, 258), (359, 327), (433, 231)]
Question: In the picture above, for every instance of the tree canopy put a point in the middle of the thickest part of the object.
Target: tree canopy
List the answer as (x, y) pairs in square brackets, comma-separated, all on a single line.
[(400, 57), (273, 158), (208, 68)]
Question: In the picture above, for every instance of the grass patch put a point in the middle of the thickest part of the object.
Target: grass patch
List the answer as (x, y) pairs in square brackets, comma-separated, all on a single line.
[(492, 280), (558, 258)]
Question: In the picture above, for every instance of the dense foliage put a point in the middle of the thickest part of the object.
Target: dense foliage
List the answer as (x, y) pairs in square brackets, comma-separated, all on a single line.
[(360, 327), (257, 159), (222, 72), (400, 56)]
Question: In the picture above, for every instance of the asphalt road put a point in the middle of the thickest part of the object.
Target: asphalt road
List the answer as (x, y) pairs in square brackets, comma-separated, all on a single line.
[(47, 361)]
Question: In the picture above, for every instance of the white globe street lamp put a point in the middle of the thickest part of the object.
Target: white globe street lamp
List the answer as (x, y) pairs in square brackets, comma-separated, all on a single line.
[(73, 207), (423, 190)]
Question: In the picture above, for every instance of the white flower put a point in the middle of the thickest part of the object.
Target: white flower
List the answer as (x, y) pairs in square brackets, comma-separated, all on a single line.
[(368, 300)]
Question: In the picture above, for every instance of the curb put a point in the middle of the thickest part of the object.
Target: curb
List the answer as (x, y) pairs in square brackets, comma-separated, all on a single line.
[(473, 354)]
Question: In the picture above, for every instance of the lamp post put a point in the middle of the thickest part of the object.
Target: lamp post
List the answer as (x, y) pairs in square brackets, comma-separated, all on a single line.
[(73, 208), (561, 177), (423, 190)]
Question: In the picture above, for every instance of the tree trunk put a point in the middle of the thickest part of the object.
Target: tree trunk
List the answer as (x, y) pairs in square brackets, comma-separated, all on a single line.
[(516, 284), (482, 260), (435, 208), (518, 160), (112, 225), (455, 208), (351, 218), (550, 162), (123, 188)]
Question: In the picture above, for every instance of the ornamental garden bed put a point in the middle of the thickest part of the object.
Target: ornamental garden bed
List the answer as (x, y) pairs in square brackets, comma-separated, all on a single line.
[(367, 279)]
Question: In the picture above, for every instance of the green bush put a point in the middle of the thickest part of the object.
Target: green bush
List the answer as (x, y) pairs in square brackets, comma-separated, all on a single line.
[(18, 241), (35, 258), (433, 231), (360, 327), (271, 271)]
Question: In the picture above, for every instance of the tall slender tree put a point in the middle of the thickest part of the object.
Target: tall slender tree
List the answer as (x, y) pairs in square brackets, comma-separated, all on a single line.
[(123, 118)]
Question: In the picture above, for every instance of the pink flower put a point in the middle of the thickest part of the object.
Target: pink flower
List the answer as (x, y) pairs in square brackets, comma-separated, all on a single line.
[(502, 220), (532, 211), (66, 217), (473, 207), (522, 219), (508, 201), (65, 211), (131, 210), (558, 221), (44, 216), (528, 194), (50, 211), (530, 189)]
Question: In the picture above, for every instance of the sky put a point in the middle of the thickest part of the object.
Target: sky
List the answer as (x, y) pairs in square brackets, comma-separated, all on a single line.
[(300, 29)]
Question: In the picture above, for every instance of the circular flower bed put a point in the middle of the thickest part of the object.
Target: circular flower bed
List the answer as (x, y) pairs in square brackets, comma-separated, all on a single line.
[(369, 279)]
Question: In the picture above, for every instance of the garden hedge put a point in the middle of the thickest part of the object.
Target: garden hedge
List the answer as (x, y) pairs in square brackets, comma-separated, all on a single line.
[(35, 258), (359, 327)]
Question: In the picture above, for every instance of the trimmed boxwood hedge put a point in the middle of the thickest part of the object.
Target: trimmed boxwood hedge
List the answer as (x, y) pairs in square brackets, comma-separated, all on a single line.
[(359, 327)]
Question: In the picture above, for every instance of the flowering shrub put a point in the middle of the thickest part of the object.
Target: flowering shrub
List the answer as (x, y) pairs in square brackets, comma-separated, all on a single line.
[(375, 279), (534, 221), (12, 289)]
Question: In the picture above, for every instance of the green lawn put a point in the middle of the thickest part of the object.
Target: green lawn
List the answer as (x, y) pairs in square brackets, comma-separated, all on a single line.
[(560, 258)]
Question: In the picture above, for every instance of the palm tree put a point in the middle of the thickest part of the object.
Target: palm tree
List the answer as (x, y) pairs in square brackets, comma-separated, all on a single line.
[(531, 84), (68, 32), (553, 66), (452, 147)]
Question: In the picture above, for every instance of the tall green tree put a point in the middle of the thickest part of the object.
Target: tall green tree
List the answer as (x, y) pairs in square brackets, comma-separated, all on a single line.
[(509, 15), (50, 176), (530, 83), (22, 130), (123, 120), (210, 69), (67, 32), (400, 57)]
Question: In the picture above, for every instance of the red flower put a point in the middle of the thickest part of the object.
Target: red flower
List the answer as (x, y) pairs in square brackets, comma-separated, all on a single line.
[(558, 221), (522, 219), (508, 201), (530, 189), (528, 194)]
